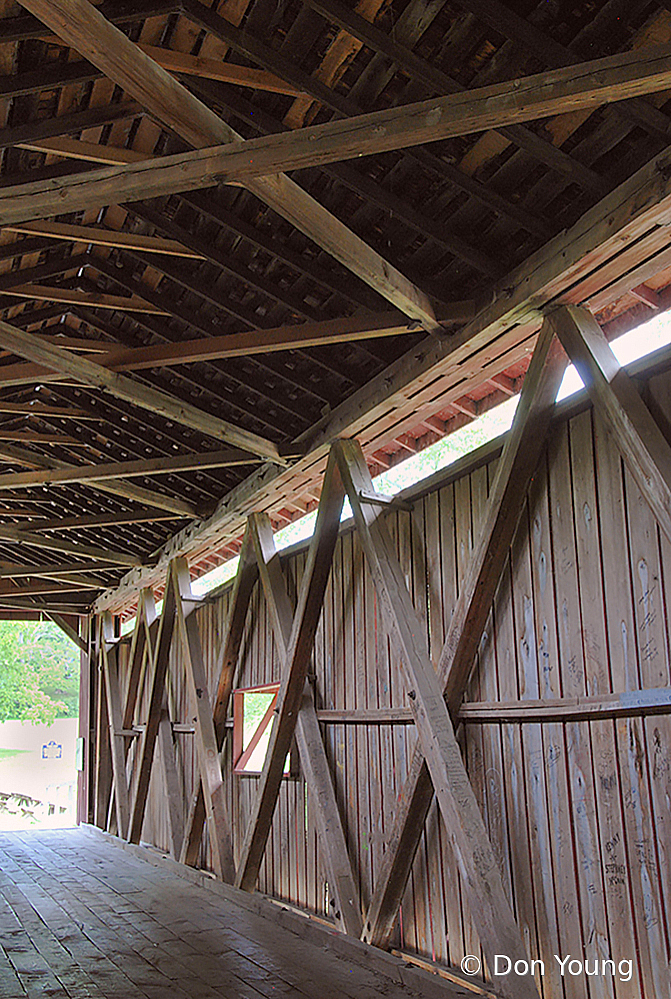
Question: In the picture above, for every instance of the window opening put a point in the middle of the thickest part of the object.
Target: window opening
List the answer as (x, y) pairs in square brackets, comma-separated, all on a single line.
[(253, 714)]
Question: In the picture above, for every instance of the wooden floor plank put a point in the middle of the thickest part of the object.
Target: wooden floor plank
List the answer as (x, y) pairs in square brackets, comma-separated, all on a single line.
[(82, 917)]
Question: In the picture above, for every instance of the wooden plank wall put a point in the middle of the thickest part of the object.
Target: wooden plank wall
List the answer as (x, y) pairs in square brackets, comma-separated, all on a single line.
[(579, 812)]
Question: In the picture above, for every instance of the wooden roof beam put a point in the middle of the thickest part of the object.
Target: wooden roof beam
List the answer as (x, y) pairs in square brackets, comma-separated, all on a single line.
[(105, 237), (39, 409), (225, 72), (33, 608), (588, 85), (93, 520), (293, 337), (10, 532), (115, 486), (144, 396), (73, 296), (14, 570), (76, 121), (63, 586), (89, 152), (87, 31), (128, 469), (179, 63)]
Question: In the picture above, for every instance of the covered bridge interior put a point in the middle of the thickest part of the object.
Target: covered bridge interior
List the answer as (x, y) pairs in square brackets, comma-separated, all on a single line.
[(252, 254)]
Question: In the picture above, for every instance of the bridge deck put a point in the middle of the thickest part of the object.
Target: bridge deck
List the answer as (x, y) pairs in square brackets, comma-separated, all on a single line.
[(82, 918)]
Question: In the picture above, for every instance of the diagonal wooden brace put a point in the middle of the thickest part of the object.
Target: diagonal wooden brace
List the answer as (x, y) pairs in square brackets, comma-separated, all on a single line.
[(644, 447), (516, 467), (299, 652), (332, 842), (481, 877), (245, 580), (109, 655), (211, 778)]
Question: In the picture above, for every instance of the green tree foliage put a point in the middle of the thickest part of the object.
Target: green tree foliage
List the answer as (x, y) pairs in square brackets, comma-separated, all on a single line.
[(39, 672)]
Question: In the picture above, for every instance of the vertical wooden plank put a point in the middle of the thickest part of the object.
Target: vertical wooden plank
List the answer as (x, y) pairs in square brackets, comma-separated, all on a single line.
[(463, 522), (553, 589), (652, 646), (515, 789), (540, 844), (588, 671), (174, 795), (487, 688), (86, 727), (620, 772), (450, 579)]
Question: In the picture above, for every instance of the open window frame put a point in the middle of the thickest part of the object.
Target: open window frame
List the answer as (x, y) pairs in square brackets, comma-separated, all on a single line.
[(243, 754)]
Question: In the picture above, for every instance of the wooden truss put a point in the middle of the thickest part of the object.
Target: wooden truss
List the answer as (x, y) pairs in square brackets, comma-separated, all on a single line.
[(434, 693)]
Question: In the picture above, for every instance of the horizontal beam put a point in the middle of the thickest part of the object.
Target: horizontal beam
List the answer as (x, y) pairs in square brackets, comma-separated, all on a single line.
[(88, 152), (34, 607), (104, 237), (114, 485), (72, 296), (654, 701), (146, 397), (366, 716), (224, 72), (293, 337), (95, 520), (26, 437), (11, 532), (165, 465), (64, 586), (39, 410), (64, 124), (587, 85), (14, 570)]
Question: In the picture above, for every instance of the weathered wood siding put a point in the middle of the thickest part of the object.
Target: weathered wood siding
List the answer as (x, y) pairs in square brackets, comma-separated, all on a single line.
[(579, 812)]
